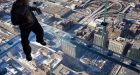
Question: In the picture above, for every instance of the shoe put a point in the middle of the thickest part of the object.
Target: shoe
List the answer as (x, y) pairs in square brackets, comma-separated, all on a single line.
[(28, 58), (42, 42)]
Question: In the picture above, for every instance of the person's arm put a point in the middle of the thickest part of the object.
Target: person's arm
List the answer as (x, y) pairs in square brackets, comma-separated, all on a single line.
[(35, 9)]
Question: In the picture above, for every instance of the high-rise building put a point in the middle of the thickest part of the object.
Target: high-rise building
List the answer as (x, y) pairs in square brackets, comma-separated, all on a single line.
[(68, 48), (117, 46), (134, 53), (99, 40), (71, 49)]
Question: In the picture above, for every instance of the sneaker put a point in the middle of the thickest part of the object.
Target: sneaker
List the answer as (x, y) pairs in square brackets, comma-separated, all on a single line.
[(29, 58), (42, 42)]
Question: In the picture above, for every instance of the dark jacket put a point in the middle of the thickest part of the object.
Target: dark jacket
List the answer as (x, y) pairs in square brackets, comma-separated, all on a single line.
[(22, 14)]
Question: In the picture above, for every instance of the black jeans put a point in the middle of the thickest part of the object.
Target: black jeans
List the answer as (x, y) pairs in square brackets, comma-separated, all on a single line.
[(25, 31)]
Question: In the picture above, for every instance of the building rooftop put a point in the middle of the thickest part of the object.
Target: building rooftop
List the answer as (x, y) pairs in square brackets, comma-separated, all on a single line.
[(61, 70)]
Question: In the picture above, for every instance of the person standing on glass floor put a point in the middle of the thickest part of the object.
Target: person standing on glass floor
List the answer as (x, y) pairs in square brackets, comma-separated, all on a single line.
[(23, 16)]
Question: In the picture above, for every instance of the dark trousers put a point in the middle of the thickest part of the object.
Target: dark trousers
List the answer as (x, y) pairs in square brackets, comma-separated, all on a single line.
[(25, 31)]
